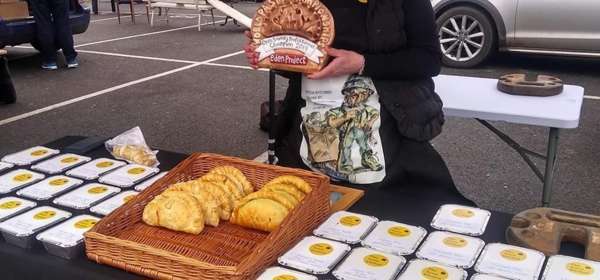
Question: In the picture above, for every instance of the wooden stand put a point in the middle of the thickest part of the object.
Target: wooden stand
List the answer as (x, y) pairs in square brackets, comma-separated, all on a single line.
[(349, 196)]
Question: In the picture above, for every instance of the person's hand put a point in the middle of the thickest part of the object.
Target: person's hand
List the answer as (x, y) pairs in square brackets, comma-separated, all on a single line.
[(351, 114), (344, 63), (250, 51)]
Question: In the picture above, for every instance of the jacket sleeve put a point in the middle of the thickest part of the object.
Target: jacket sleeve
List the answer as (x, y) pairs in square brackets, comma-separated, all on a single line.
[(421, 58)]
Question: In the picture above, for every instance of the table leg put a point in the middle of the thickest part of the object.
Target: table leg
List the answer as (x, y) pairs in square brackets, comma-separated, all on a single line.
[(95, 6), (271, 141), (550, 165)]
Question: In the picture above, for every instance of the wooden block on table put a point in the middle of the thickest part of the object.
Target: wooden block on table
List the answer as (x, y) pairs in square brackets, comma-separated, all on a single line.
[(348, 196)]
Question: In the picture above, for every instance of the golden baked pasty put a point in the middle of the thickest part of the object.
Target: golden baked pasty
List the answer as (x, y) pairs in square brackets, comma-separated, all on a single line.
[(227, 182), (297, 182), (133, 153), (236, 175), (286, 195), (262, 214), (279, 197), (292, 34), (210, 205), (285, 188), (226, 200), (177, 210)]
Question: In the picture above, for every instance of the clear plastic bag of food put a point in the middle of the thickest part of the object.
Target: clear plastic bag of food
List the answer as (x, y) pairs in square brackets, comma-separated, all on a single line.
[(131, 146)]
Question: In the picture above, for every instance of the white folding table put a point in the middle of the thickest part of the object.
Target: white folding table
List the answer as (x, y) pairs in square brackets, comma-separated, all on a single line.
[(479, 98)]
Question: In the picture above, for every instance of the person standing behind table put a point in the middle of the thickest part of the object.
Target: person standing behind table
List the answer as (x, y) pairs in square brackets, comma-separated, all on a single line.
[(7, 90), (54, 32), (381, 111)]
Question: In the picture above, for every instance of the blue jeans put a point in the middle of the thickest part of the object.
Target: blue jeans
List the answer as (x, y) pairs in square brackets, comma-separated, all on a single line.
[(53, 28)]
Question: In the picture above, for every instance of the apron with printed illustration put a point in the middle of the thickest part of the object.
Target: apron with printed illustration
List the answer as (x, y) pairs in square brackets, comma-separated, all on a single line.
[(340, 129)]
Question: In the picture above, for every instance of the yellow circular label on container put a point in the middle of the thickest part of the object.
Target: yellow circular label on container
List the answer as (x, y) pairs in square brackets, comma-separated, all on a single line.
[(455, 242), (104, 164), (44, 215), (39, 153), (399, 231), (285, 277), (97, 190), (376, 260), (58, 182), (85, 223), (136, 170), (580, 268), (128, 198), (513, 255), (350, 221), (463, 213), (69, 160), (10, 204), (321, 249), (23, 177), (434, 273)]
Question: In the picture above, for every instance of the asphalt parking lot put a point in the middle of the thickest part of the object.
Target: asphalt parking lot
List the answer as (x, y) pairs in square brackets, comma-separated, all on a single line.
[(192, 91)]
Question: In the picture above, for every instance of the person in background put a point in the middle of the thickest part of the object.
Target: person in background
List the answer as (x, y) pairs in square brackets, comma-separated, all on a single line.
[(7, 90), (54, 32)]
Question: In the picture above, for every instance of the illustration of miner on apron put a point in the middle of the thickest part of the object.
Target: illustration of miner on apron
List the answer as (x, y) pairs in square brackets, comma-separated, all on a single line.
[(355, 119), (341, 138)]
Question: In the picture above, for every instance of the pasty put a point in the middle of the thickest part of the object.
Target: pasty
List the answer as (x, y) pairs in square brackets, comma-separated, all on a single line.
[(297, 182), (227, 182), (237, 175), (210, 204), (179, 211), (133, 153), (280, 197), (285, 188), (262, 214), (226, 200)]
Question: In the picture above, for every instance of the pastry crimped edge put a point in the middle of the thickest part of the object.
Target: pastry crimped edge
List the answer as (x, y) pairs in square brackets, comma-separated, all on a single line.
[(325, 39), (236, 174)]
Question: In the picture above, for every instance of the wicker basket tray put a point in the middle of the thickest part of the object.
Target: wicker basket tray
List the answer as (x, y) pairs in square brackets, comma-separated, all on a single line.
[(225, 252)]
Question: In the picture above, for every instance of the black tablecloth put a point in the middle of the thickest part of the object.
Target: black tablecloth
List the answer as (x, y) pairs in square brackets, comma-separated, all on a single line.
[(36, 264)]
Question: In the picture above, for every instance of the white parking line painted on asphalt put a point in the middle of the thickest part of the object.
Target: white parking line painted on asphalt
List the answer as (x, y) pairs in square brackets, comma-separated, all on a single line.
[(139, 57), (155, 58), (105, 19), (115, 18), (591, 97), (111, 89), (235, 66), (145, 34), (262, 158), (175, 15)]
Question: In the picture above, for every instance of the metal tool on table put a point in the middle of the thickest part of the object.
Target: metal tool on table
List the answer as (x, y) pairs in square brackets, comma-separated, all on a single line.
[(530, 85), (544, 229)]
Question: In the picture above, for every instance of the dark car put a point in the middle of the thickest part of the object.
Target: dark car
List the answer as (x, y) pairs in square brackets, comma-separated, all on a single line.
[(22, 31)]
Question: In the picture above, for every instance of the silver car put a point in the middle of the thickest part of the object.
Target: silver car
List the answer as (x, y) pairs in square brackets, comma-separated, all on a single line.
[(470, 31)]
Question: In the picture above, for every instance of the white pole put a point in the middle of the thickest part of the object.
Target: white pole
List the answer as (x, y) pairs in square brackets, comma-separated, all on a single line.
[(228, 10)]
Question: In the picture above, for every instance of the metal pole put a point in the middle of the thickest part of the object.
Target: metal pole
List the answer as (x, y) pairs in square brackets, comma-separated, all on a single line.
[(271, 141), (7, 88), (550, 165), (95, 7)]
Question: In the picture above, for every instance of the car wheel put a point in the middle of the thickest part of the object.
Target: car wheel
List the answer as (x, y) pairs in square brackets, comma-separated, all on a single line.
[(467, 37)]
